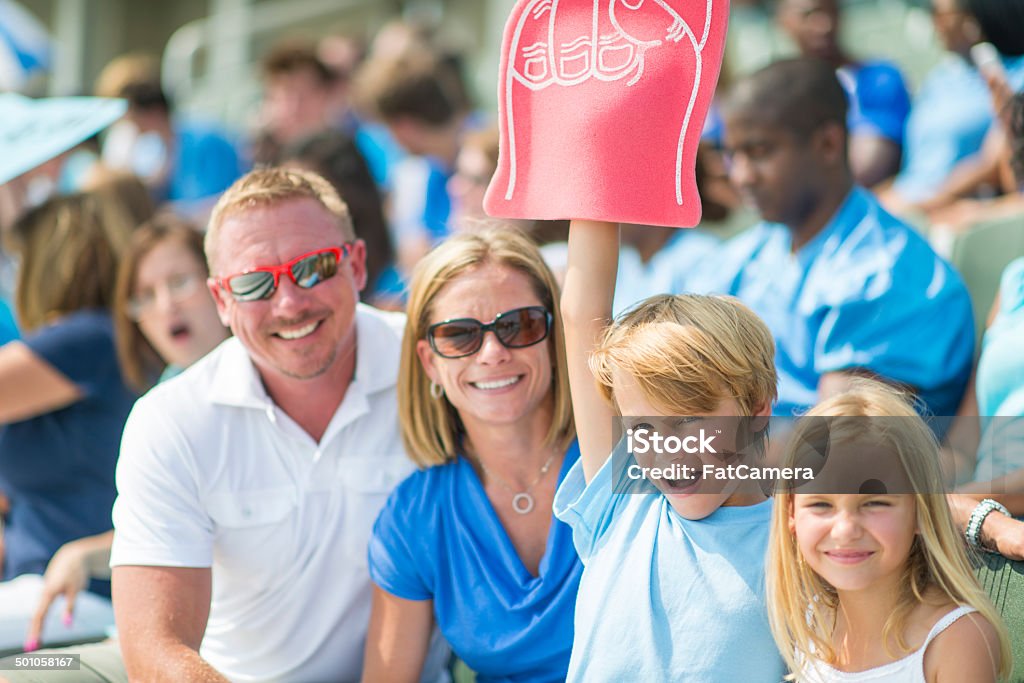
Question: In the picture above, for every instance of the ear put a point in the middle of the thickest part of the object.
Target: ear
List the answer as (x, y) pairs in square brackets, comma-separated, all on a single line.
[(357, 263), (427, 359), (223, 301), (790, 520), (831, 142), (759, 420)]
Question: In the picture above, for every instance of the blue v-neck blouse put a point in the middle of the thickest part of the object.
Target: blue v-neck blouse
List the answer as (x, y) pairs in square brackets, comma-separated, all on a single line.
[(438, 538)]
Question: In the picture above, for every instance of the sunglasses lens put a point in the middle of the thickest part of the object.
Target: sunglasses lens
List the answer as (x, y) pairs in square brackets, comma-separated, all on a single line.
[(252, 286), (522, 327), (456, 339), (314, 269)]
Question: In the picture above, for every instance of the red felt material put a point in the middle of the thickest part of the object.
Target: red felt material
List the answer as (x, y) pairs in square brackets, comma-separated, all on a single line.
[(601, 106)]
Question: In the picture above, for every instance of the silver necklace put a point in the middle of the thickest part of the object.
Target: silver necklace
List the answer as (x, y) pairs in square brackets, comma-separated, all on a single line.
[(522, 502)]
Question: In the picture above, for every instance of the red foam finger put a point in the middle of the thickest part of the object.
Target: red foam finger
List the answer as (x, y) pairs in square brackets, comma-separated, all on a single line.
[(601, 106)]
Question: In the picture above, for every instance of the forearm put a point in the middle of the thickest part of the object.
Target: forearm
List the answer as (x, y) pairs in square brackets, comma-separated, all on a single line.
[(169, 662), (586, 312), (95, 553)]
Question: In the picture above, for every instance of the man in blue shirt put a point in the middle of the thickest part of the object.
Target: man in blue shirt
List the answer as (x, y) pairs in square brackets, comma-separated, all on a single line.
[(845, 288)]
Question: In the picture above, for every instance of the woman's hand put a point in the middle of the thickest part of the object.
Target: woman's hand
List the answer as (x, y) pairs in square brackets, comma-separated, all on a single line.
[(68, 574), (1004, 534)]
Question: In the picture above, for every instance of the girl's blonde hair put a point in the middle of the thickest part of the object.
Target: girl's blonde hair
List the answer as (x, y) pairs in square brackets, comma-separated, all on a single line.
[(431, 428), (801, 605), (688, 353)]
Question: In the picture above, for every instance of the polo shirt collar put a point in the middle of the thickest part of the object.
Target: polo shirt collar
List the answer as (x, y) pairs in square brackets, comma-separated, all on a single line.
[(237, 382)]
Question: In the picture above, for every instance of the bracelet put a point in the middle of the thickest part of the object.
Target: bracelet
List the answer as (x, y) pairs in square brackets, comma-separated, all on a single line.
[(981, 511)]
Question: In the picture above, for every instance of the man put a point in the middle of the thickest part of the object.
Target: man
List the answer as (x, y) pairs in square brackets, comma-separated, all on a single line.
[(879, 101), (248, 486), (181, 160), (845, 288)]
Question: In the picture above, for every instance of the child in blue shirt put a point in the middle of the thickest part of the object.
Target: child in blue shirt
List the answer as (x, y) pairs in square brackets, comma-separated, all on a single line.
[(673, 579)]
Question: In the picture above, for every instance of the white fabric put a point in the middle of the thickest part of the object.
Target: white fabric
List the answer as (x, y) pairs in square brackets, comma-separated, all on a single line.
[(213, 474), (909, 669)]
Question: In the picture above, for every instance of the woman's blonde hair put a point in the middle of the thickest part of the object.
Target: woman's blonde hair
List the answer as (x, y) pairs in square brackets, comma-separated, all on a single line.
[(140, 363), (431, 428), (70, 247), (801, 605), (688, 353)]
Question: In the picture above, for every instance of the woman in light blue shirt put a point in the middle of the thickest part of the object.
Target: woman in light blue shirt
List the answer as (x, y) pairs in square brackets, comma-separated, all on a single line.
[(469, 543)]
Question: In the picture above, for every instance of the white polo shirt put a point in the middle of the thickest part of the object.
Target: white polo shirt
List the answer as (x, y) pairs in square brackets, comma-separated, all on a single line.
[(213, 474)]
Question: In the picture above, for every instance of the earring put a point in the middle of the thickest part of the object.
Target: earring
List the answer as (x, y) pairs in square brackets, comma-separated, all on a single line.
[(436, 392)]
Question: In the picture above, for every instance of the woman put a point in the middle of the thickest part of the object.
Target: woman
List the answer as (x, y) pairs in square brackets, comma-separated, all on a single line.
[(63, 403), (469, 543), (165, 317), (164, 320)]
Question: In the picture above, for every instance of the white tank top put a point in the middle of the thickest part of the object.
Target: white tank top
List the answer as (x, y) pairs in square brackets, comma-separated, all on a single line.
[(910, 669)]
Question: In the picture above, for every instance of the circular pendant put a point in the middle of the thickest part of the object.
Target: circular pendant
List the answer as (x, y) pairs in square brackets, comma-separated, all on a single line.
[(522, 503)]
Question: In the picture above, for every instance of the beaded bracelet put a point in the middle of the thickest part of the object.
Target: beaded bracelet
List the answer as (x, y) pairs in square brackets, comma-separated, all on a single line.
[(981, 511)]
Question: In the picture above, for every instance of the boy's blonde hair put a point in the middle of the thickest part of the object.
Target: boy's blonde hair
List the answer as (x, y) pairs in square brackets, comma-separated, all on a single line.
[(801, 605), (431, 428), (268, 186), (688, 353)]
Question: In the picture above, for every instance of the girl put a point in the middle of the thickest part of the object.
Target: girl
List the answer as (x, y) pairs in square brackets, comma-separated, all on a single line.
[(861, 585)]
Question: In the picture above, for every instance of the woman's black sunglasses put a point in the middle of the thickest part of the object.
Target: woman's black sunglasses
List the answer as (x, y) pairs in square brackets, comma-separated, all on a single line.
[(515, 329)]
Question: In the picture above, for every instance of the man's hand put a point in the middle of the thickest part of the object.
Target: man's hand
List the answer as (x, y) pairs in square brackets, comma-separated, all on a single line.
[(1004, 534)]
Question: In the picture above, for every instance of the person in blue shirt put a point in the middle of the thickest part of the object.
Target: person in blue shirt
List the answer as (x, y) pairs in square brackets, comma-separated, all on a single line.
[(673, 579), (952, 112), (845, 288), (878, 96), (469, 543), (63, 403), (184, 161)]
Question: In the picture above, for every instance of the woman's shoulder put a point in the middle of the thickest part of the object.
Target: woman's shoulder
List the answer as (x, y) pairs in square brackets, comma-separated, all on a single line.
[(425, 488)]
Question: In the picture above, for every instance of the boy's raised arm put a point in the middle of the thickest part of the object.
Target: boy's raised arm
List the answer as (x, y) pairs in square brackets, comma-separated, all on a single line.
[(586, 313)]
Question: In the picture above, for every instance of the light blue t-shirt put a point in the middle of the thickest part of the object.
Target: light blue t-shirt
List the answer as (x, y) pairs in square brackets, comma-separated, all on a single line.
[(637, 280), (1000, 382), (867, 292), (948, 122), (438, 538), (665, 598)]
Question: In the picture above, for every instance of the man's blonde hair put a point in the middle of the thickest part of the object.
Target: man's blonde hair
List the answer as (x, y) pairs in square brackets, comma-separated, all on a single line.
[(801, 605), (687, 353), (267, 186), (431, 428)]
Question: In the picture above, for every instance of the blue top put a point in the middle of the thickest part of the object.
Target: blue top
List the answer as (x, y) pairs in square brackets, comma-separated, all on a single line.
[(1000, 382), (438, 538), (1001, 367), (8, 327), (866, 293), (662, 597), (948, 122), (879, 101), (637, 280), (205, 164), (58, 468)]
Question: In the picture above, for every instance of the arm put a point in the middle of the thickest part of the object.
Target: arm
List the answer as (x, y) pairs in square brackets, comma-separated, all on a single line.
[(873, 159), (161, 615), (68, 573), (586, 312), (30, 386), (398, 638)]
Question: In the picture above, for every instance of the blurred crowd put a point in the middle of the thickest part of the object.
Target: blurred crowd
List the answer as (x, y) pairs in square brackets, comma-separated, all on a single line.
[(104, 280)]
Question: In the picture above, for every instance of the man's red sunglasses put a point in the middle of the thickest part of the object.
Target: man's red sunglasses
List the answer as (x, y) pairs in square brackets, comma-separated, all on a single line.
[(305, 271)]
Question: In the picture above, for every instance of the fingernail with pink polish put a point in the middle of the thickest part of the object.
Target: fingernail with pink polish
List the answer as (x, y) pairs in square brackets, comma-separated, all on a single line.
[(68, 620), (31, 645)]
